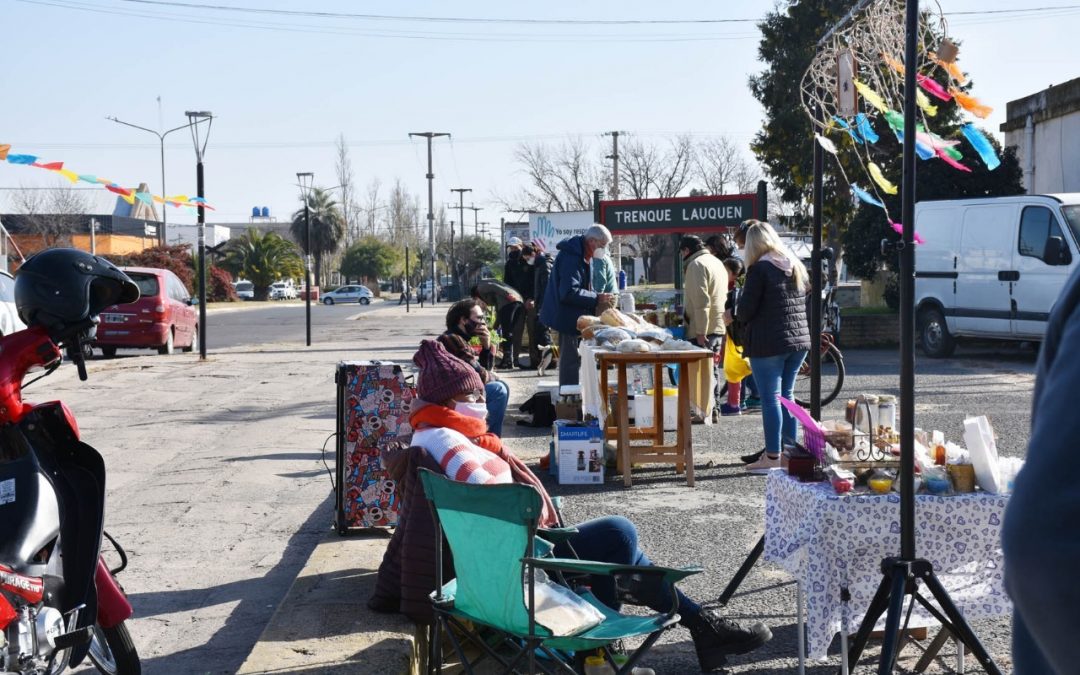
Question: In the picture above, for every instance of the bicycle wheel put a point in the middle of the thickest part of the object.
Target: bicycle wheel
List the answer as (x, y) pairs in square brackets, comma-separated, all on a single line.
[(832, 377)]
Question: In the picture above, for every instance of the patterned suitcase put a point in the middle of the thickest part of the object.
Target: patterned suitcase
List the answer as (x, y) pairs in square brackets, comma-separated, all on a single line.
[(373, 403)]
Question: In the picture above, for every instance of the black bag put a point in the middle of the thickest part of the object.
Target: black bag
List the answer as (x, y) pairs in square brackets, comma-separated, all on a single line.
[(541, 409)]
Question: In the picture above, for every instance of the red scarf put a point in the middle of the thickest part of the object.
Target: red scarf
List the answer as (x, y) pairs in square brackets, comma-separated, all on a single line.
[(476, 430)]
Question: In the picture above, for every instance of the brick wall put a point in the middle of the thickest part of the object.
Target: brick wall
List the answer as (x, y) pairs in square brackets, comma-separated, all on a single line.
[(869, 330)]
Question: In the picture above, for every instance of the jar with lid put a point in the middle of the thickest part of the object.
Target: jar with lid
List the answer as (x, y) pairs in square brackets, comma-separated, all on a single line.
[(866, 413), (887, 411)]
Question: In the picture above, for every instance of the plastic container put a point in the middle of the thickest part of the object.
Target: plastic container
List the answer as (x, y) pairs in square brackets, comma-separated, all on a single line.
[(598, 665), (622, 280), (887, 411), (643, 409)]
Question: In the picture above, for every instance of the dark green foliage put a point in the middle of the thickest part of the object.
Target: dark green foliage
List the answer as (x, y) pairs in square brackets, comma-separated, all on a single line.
[(370, 258)]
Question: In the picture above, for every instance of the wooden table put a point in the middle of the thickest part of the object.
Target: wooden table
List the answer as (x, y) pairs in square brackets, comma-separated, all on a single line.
[(682, 452)]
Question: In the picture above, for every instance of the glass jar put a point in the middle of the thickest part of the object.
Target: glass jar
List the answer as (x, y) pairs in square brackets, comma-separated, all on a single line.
[(886, 417)]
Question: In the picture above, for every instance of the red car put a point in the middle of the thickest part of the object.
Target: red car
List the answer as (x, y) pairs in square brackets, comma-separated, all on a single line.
[(163, 317)]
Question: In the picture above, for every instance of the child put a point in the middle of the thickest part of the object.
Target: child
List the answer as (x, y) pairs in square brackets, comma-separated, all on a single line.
[(736, 366)]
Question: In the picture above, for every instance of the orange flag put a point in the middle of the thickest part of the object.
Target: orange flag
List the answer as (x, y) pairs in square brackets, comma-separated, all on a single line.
[(5, 148), (971, 104)]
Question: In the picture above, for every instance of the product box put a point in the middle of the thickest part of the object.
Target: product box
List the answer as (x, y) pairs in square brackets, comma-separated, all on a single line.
[(373, 404), (579, 448), (568, 410)]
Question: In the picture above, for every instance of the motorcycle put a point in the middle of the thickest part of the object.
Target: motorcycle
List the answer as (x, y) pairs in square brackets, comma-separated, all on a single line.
[(59, 600)]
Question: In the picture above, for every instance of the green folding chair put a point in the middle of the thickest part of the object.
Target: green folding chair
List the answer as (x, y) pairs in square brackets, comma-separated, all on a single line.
[(492, 532)]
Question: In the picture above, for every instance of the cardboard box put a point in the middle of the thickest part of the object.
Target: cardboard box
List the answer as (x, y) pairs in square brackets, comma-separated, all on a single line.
[(570, 411), (579, 448)]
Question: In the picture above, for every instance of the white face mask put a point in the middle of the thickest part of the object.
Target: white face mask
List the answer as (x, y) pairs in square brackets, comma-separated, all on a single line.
[(600, 254), (531, 261), (477, 410)]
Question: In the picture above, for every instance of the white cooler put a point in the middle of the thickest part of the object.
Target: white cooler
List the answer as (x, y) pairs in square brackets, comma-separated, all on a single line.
[(643, 409)]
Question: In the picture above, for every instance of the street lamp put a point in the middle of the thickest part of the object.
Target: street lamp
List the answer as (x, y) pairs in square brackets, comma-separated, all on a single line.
[(195, 117), (306, 179), (429, 135), (161, 138)]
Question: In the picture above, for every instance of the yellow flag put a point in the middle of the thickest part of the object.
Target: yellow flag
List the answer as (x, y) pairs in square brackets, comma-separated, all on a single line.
[(881, 180), (871, 96), (70, 175), (129, 197), (923, 102)]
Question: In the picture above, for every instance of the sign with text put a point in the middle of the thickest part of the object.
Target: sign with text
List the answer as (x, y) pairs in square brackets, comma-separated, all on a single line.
[(680, 214), (551, 228)]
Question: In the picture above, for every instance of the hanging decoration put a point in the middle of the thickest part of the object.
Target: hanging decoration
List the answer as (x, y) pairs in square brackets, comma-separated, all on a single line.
[(127, 194), (875, 43)]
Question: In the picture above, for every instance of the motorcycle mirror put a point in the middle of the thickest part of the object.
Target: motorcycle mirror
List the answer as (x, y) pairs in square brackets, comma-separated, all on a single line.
[(75, 353)]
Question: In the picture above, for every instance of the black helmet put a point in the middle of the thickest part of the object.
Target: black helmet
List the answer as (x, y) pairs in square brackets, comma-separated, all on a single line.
[(63, 287)]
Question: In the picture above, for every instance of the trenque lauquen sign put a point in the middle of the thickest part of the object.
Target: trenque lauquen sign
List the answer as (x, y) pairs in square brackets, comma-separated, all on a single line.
[(680, 214)]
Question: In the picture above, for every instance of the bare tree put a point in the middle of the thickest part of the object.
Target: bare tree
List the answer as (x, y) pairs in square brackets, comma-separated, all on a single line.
[(53, 213), (404, 216), (560, 178), (373, 205), (349, 208), (717, 162)]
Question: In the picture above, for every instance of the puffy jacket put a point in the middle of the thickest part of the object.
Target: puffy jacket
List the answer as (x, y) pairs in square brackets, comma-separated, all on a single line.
[(518, 274), (568, 295), (603, 276), (496, 294), (704, 294), (772, 311), (541, 275)]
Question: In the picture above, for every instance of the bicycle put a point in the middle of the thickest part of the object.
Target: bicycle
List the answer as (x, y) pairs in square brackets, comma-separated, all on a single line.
[(832, 359)]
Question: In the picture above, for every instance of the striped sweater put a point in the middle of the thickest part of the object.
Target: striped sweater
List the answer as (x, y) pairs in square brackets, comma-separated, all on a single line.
[(460, 459)]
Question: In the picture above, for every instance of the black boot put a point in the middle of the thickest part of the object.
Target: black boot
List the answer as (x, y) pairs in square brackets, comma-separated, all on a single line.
[(715, 637)]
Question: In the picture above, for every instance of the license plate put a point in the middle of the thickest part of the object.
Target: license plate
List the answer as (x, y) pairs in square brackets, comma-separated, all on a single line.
[(113, 318)]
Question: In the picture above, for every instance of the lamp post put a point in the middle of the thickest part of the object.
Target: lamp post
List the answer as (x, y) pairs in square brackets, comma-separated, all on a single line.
[(429, 135), (161, 138), (195, 117), (306, 179)]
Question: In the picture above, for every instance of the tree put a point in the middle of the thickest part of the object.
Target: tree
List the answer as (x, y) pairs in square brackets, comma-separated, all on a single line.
[(476, 252), (370, 259), (560, 178), (327, 227), (262, 259), (176, 258), (350, 210), (53, 213)]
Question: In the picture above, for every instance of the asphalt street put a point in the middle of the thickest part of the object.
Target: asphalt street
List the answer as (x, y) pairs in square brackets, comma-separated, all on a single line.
[(217, 487)]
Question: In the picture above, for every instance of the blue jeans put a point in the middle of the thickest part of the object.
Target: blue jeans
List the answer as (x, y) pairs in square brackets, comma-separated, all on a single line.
[(497, 396), (775, 377), (613, 539)]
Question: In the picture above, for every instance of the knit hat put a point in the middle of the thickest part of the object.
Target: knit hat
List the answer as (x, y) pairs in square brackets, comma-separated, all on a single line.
[(442, 375)]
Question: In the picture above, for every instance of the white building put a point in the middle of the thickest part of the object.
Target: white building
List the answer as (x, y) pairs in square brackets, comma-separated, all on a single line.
[(1045, 128), (187, 234)]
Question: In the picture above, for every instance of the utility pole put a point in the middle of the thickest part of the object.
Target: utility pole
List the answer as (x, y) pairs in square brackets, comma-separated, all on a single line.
[(614, 157), (194, 118), (306, 181), (461, 206), (429, 135), (502, 236), (476, 219)]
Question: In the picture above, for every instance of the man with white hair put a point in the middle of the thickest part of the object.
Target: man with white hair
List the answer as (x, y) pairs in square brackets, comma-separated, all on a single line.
[(569, 295)]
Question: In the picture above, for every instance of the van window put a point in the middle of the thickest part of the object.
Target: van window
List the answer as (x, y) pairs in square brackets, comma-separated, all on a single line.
[(1037, 224), (1072, 217)]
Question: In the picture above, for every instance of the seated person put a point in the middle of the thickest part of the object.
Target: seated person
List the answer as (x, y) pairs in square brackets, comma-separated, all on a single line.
[(449, 432), (465, 321)]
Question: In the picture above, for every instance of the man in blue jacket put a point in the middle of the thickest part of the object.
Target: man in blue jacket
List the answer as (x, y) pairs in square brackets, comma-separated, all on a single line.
[(569, 296)]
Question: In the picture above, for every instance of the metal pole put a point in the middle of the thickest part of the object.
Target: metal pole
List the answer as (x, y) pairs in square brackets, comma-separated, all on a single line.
[(502, 237), (815, 285), (431, 226), (202, 258), (307, 266), (164, 206), (907, 296), (452, 266), (408, 282), (93, 236)]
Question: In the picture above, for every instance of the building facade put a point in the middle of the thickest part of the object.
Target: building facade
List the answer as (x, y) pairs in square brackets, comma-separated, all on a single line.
[(1045, 129)]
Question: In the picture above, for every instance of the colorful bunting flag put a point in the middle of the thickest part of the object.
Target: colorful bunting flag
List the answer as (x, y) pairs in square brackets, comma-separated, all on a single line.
[(5, 148), (21, 159), (925, 104), (971, 104), (933, 88), (871, 96), (865, 196), (880, 179), (982, 146), (862, 122), (899, 229)]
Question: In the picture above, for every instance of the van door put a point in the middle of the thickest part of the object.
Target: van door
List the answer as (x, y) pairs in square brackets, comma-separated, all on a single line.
[(984, 268), (1039, 281)]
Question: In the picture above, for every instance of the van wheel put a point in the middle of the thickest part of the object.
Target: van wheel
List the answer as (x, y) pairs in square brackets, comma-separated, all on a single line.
[(934, 334), (168, 347)]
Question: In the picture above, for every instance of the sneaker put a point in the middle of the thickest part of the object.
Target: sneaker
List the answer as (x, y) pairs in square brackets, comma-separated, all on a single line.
[(753, 403), (752, 457), (717, 637), (727, 410), (763, 464)]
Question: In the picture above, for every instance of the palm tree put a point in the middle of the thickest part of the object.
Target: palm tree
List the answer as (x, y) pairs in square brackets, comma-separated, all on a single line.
[(262, 259), (327, 227)]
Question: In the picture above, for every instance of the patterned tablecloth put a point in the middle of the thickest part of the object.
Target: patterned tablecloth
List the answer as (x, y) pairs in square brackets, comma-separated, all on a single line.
[(830, 542)]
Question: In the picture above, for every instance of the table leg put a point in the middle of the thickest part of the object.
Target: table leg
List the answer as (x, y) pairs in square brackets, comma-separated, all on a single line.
[(800, 627), (624, 427), (604, 407), (658, 404), (683, 437)]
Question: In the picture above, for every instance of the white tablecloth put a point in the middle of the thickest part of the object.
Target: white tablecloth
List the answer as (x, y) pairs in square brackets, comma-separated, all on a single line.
[(830, 542)]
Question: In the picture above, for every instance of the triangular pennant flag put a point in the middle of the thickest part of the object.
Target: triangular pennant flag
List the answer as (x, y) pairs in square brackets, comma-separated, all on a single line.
[(118, 190), (129, 197), (143, 197), (5, 148), (865, 196), (51, 166), (88, 179), (70, 175), (880, 179), (21, 159)]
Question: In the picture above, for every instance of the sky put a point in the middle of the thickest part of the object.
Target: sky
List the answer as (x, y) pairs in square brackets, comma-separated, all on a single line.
[(282, 88)]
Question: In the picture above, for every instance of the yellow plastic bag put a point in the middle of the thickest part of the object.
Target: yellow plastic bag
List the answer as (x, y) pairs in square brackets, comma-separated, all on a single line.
[(736, 366)]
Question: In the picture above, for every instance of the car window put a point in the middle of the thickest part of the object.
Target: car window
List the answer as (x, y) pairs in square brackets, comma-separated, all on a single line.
[(181, 291), (1037, 224), (147, 283), (244, 286)]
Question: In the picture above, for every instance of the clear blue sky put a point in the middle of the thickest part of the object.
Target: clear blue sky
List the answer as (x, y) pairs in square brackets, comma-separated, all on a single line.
[(283, 96)]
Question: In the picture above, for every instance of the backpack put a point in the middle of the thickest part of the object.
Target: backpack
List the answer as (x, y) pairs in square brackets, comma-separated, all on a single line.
[(541, 409)]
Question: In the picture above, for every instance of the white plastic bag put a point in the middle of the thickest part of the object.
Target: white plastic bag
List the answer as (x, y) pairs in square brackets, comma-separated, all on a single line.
[(979, 438), (559, 609)]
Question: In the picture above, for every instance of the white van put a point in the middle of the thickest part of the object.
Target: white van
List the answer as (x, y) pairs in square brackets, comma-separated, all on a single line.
[(992, 267)]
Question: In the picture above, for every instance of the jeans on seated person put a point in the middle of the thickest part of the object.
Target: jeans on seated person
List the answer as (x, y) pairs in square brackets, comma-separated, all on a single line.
[(497, 396), (613, 539)]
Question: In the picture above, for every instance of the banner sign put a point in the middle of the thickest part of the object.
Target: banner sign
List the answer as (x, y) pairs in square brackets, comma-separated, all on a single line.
[(713, 213), (551, 228)]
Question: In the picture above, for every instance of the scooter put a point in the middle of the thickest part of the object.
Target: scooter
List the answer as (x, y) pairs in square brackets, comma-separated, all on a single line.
[(59, 601)]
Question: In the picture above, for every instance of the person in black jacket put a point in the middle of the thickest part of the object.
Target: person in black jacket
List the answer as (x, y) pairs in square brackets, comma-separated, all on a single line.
[(775, 336), (539, 266)]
